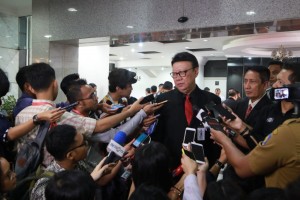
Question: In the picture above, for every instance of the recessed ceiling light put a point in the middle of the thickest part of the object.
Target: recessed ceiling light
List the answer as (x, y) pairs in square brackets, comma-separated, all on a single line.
[(0, 57), (251, 12), (162, 69), (205, 40), (129, 26), (249, 58), (211, 54), (47, 36), (186, 47), (132, 50), (121, 58), (140, 44), (72, 10)]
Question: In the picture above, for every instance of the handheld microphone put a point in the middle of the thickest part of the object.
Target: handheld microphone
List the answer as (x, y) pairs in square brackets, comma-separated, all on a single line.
[(116, 148)]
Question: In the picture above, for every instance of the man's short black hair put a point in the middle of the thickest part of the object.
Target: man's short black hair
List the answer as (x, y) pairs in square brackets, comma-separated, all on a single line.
[(59, 140), (153, 88), (40, 76), (120, 78), (232, 92), (168, 85), (4, 83), (21, 77), (295, 68), (276, 62), (264, 73), (74, 93), (70, 185), (185, 56), (67, 82)]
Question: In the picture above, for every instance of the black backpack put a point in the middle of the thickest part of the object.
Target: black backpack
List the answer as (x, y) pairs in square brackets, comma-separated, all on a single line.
[(31, 154)]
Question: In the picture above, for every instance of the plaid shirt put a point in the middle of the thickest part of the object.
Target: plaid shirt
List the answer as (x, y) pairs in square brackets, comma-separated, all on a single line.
[(84, 125), (38, 191)]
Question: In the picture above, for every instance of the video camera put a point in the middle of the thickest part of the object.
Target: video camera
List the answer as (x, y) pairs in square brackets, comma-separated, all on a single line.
[(288, 93)]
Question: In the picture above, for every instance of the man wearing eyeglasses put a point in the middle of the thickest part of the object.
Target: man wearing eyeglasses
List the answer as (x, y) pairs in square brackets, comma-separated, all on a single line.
[(180, 111)]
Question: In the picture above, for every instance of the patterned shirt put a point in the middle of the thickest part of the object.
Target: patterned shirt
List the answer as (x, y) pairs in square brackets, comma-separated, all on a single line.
[(38, 191), (84, 125)]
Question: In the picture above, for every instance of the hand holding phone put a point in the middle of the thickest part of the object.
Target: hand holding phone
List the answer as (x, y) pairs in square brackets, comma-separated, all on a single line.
[(147, 99), (224, 112), (72, 105), (139, 140)]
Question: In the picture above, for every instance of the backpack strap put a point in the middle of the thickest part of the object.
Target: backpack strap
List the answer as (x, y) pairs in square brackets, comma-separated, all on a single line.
[(40, 137)]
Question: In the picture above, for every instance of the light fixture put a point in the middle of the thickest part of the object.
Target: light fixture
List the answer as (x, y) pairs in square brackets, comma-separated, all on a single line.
[(132, 50), (129, 26), (249, 58), (251, 12), (0, 57), (72, 10), (205, 40), (162, 69), (47, 36), (186, 47), (281, 53), (121, 58), (140, 44)]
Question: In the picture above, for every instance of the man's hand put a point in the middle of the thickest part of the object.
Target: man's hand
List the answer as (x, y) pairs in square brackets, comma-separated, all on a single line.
[(151, 108), (235, 125), (107, 109), (189, 166), (101, 170), (218, 136), (148, 120), (51, 115)]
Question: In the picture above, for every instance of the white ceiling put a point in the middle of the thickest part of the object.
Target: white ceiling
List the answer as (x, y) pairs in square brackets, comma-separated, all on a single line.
[(256, 45)]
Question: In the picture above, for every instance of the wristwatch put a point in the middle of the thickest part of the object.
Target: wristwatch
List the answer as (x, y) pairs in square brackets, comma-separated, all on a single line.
[(36, 120), (221, 165)]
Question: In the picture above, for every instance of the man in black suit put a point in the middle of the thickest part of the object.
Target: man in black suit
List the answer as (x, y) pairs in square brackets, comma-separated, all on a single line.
[(232, 99), (173, 120), (256, 80)]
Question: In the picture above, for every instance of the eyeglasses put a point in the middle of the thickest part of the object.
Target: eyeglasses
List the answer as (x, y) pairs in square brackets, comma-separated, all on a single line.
[(181, 73), (93, 95), (84, 143)]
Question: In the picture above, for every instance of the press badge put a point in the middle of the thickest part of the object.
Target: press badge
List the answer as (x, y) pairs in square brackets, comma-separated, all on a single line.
[(201, 133)]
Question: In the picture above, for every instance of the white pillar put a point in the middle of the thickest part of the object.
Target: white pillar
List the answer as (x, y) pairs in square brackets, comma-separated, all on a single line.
[(94, 66)]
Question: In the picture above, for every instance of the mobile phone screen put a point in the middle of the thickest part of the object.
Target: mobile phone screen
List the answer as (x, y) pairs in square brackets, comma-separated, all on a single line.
[(224, 112), (189, 136), (189, 154), (198, 152), (215, 124), (151, 128), (140, 139)]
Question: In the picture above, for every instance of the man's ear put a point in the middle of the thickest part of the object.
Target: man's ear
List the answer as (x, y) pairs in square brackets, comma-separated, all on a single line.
[(30, 88), (70, 155), (197, 71)]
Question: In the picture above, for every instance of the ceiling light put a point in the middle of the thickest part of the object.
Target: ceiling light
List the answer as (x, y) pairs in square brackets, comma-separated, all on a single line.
[(162, 69), (129, 26), (205, 40), (121, 58), (211, 54), (186, 47), (132, 50), (0, 57), (249, 58), (47, 36), (8, 36), (72, 10), (140, 44), (251, 12)]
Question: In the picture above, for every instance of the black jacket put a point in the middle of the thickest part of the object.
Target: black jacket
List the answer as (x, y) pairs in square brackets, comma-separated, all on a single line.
[(172, 123), (242, 107)]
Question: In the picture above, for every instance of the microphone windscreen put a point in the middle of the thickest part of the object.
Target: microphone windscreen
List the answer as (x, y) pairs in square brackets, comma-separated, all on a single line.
[(120, 138)]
